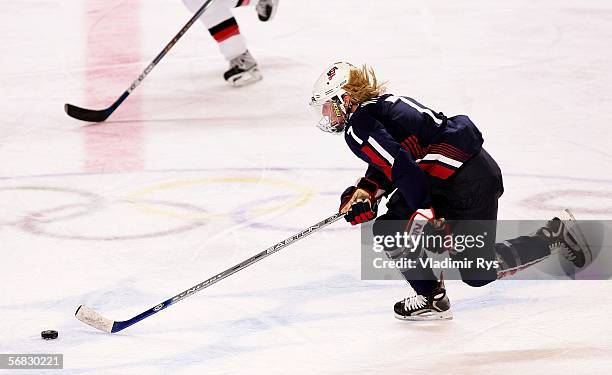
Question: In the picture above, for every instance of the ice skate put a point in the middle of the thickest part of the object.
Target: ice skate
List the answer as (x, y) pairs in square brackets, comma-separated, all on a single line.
[(565, 237), (243, 70), (434, 306), (266, 9)]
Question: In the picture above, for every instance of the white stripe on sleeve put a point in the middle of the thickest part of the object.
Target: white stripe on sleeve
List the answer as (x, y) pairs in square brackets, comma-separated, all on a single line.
[(352, 134), (443, 159), (380, 149)]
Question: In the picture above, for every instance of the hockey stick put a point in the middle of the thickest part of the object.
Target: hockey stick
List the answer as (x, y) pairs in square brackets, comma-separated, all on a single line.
[(93, 115), (91, 317)]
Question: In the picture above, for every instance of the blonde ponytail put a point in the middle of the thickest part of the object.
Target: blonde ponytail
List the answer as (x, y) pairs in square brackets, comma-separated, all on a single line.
[(363, 86)]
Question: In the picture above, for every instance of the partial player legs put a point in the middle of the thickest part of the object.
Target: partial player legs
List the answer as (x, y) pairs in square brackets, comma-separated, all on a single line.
[(561, 236), (395, 220), (430, 301), (223, 27)]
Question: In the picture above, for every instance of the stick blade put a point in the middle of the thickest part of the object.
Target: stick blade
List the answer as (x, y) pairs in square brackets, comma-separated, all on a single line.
[(90, 317), (85, 114)]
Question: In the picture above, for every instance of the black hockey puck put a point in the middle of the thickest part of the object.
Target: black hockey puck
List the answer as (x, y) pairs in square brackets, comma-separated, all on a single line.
[(49, 335)]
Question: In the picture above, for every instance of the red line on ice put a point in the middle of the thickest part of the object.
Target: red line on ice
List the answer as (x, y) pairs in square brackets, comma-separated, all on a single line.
[(113, 60)]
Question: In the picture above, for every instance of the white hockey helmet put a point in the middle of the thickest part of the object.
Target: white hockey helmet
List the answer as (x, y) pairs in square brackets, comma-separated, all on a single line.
[(326, 102)]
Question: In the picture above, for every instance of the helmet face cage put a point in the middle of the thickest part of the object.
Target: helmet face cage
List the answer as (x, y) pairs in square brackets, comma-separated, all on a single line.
[(331, 114), (327, 102)]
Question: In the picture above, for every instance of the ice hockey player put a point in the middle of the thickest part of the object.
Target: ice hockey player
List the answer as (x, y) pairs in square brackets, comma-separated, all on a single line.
[(419, 158), (222, 25)]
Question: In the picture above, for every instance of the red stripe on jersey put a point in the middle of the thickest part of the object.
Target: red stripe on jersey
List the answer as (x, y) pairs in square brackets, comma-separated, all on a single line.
[(449, 151), (418, 144), (407, 144), (412, 144), (417, 147), (379, 161), (438, 150), (437, 170), (226, 33), (462, 156), (408, 147)]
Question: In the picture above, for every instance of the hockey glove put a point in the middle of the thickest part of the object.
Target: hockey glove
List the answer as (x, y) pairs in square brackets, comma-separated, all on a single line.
[(359, 202)]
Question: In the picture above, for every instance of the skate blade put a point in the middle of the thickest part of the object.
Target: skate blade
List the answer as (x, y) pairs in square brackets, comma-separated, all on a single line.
[(246, 78), (445, 315), (574, 228)]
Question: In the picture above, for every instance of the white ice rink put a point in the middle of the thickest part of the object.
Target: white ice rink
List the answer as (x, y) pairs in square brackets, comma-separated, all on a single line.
[(190, 176)]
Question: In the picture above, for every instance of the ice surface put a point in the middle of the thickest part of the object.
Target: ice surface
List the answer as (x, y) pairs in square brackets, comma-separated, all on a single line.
[(191, 176)]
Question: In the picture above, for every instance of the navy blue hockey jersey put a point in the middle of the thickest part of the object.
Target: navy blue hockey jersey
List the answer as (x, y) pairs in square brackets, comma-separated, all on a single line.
[(408, 146)]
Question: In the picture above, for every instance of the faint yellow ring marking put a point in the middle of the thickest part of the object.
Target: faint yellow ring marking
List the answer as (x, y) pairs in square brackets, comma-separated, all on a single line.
[(304, 194)]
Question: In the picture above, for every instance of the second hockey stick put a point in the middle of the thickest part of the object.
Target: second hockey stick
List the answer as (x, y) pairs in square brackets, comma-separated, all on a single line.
[(93, 115), (89, 316)]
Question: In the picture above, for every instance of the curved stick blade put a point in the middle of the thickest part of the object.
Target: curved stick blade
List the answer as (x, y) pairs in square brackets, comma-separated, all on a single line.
[(84, 114), (92, 318)]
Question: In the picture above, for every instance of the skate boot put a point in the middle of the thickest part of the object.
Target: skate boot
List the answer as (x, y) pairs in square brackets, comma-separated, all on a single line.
[(266, 9), (434, 306), (564, 237), (243, 70)]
